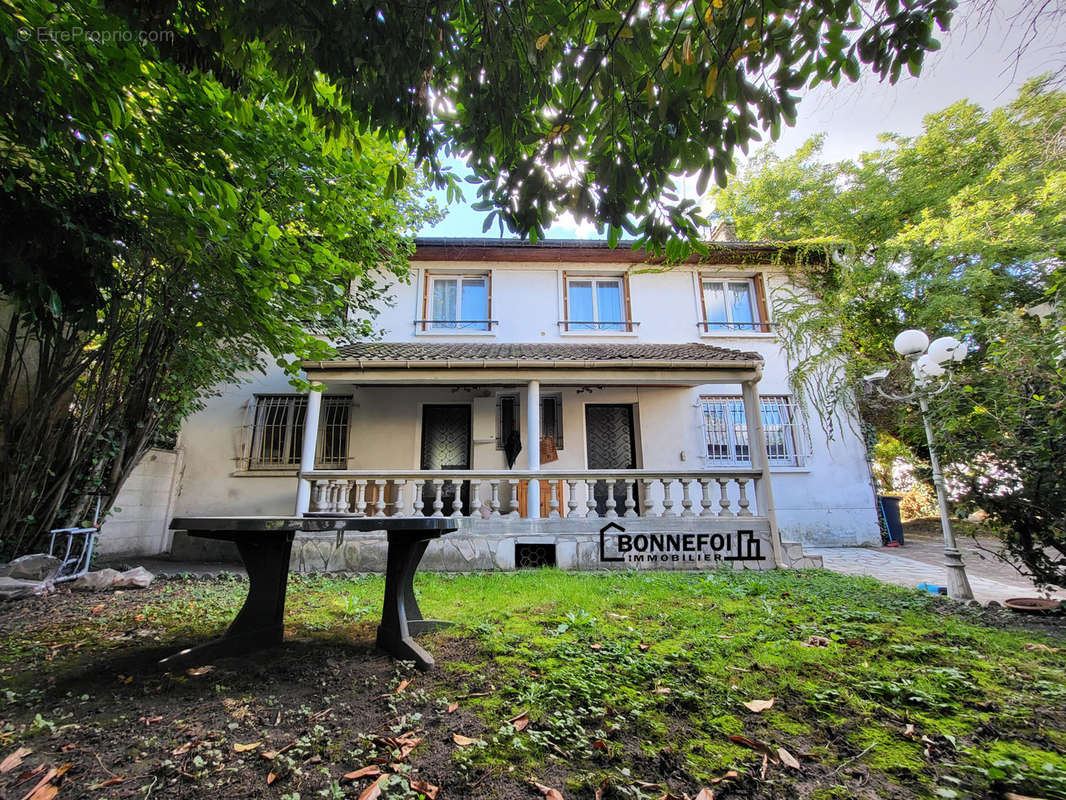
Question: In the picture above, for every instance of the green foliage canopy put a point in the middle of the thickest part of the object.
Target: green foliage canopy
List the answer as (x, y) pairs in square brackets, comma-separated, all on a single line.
[(940, 231), (587, 107), (163, 233)]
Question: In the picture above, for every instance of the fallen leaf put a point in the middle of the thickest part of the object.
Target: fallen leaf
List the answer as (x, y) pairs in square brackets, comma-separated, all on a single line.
[(370, 771), (908, 731), (596, 646), (97, 609), (520, 722), (373, 791), (109, 782), (758, 747), (46, 788), (1013, 796), (758, 706), (599, 744), (661, 690), (68, 747), (725, 636), (548, 792), (428, 789), (244, 748), (149, 721), (705, 794), (542, 40), (731, 775), (185, 748), (816, 641), (765, 764), (14, 759), (197, 671), (787, 758), (453, 708), (463, 741), (273, 776), (643, 647), (1043, 648), (403, 685), (616, 616)]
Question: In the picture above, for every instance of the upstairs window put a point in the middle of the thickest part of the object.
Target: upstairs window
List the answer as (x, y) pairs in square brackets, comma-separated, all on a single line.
[(733, 304), (725, 431), (457, 302), (278, 432), (597, 304)]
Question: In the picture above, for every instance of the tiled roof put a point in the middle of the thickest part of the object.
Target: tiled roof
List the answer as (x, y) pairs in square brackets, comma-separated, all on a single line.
[(684, 355)]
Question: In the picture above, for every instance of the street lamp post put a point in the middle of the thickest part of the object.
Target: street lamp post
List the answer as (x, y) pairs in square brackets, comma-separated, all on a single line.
[(928, 362)]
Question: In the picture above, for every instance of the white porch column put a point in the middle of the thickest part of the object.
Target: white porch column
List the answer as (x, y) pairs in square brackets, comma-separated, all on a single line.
[(533, 448), (764, 494), (307, 452)]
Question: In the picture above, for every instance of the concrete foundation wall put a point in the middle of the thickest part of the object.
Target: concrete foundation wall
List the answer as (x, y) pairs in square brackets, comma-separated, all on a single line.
[(489, 545), (145, 503)]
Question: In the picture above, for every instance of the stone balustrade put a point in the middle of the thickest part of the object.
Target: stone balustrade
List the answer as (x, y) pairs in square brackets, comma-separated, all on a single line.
[(493, 494)]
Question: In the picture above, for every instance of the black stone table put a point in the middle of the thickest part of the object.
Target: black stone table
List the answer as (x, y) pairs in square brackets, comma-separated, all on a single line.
[(265, 544)]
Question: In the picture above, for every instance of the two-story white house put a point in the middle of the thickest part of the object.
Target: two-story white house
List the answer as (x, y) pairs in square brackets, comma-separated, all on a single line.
[(542, 392)]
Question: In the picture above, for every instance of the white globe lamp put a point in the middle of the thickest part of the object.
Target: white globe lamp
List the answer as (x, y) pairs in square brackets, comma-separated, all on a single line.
[(928, 367), (910, 343), (945, 349)]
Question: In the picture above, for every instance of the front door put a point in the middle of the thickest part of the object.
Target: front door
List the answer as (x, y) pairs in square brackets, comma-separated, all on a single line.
[(446, 445), (610, 445)]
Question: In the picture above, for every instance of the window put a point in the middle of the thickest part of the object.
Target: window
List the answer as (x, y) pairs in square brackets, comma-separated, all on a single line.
[(454, 302), (278, 430), (597, 304), (726, 431), (733, 304), (508, 408)]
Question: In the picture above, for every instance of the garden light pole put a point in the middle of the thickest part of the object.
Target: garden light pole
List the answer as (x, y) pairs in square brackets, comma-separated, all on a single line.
[(928, 362)]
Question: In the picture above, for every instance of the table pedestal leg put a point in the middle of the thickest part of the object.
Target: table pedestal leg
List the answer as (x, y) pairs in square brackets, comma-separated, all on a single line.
[(416, 623), (259, 623), (394, 632)]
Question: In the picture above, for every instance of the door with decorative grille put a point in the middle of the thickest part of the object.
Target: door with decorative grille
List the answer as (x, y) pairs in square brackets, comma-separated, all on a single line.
[(446, 445), (610, 445)]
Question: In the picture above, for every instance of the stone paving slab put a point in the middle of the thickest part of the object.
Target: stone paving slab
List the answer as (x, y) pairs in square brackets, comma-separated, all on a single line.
[(891, 568)]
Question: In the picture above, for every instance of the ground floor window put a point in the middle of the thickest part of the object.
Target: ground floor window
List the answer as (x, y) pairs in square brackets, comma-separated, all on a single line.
[(508, 419), (278, 431), (725, 431)]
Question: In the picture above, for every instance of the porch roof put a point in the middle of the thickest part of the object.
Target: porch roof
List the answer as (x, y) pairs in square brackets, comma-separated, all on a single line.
[(690, 363), (567, 355)]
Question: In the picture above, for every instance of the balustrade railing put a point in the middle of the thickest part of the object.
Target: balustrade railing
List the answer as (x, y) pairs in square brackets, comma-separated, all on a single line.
[(492, 494)]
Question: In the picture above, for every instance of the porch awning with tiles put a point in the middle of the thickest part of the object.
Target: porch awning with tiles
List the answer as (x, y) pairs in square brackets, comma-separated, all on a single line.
[(560, 363)]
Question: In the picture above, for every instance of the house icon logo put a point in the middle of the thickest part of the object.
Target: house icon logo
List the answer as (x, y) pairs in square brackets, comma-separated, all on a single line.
[(603, 541)]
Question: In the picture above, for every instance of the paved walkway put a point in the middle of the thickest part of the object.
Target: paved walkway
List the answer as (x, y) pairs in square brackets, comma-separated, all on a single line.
[(894, 566)]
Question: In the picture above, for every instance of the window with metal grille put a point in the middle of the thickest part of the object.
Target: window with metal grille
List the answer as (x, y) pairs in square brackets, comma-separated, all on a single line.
[(508, 407), (725, 431), (278, 430)]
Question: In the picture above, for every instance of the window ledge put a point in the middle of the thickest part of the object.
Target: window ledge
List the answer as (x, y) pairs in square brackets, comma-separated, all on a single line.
[(627, 334), (455, 332), (773, 468), (265, 473), (737, 335)]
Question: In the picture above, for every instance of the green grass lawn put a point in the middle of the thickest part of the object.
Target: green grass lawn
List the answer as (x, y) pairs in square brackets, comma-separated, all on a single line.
[(632, 685)]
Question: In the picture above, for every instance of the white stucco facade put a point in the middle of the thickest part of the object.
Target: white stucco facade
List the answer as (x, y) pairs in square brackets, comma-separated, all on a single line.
[(822, 496)]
